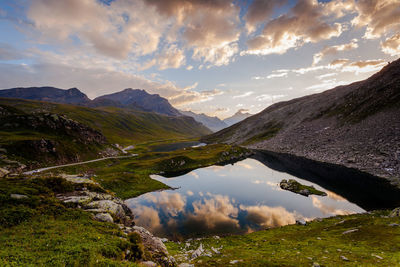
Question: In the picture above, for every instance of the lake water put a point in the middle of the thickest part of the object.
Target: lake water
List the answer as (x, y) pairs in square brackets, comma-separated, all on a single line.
[(234, 199)]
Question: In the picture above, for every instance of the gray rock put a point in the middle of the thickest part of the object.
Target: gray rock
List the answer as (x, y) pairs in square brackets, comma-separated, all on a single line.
[(344, 258), (149, 263), (395, 212), (349, 231), (3, 172), (108, 206), (104, 217), (301, 222), (18, 196), (151, 242), (186, 265), (233, 261), (394, 224), (198, 252)]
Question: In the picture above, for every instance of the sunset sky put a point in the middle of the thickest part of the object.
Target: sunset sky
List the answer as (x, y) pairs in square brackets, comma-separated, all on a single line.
[(212, 56)]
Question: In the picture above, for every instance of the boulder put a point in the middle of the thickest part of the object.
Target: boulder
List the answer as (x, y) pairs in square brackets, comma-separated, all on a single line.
[(3, 172), (18, 196), (395, 213), (104, 217), (107, 206), (152, 243)]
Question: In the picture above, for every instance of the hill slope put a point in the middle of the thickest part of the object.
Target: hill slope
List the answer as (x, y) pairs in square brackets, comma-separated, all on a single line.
[(356, 125), (73, 133), (212, 123)]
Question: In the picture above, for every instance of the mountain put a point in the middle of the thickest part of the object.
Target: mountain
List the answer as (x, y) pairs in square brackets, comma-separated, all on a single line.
[(36, 132), (49, 94), (240, 115), (355, 125), (129, 98), (137, 99), (212, 123)]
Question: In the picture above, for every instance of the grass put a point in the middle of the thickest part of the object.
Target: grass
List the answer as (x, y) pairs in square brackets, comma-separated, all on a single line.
[(272, 129), (323, 242), (130, 177), (122, 126), (41, 231), (298, 188)]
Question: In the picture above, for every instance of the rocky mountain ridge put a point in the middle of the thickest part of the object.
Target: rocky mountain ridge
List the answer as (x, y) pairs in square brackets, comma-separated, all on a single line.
[(135, 99), (355, 125), (240, 115), (213, 123)]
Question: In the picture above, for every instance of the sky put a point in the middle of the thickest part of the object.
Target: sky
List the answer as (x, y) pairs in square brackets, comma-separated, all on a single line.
[(208, 56)]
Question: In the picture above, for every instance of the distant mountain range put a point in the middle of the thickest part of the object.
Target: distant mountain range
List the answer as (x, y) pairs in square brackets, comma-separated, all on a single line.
[(240, 115), (49, 94), (356, 125), (129, 98), (213, 123)]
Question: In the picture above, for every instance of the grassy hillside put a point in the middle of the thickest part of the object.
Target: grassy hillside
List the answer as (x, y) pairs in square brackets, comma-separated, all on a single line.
[(354, 240), (118, 125)]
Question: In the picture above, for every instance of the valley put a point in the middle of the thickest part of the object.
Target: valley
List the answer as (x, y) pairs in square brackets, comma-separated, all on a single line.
[(121, 181)]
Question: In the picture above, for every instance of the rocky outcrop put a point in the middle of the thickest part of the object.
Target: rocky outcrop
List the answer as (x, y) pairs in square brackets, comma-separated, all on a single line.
[(356, 125), (108, 208), (52, 123)]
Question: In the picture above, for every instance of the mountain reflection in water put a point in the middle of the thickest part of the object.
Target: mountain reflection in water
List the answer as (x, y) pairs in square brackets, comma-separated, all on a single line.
[(238, 198)]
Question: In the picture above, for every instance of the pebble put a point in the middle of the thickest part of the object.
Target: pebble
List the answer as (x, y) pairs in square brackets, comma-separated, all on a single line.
[(233, 261), (377, 256), (18, 196), (344, 258), (349, 231)]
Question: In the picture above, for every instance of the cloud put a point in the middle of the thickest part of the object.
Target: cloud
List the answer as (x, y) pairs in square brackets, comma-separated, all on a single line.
[(332, 50), (171, 57), (328, 209), (246, 94), (379, 16), (391, 45), (269, 216), (8, 52), (210, 28), (304, 23), (260, 11), (186, 97), (326, 84), (267, 97), (115, 30), (214, 214)]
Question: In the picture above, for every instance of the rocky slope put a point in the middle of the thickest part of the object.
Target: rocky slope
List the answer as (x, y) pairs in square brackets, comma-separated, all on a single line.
[(45, 137), (212, 123), (356, 125), (137, 99)]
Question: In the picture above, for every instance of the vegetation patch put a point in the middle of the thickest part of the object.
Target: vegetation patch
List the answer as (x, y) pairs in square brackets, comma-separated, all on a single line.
[(271, 131), (36, 229), (327, 242), (296, 187)]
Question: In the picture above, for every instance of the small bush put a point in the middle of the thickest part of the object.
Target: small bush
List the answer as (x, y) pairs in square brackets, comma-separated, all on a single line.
[(137, 248)]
